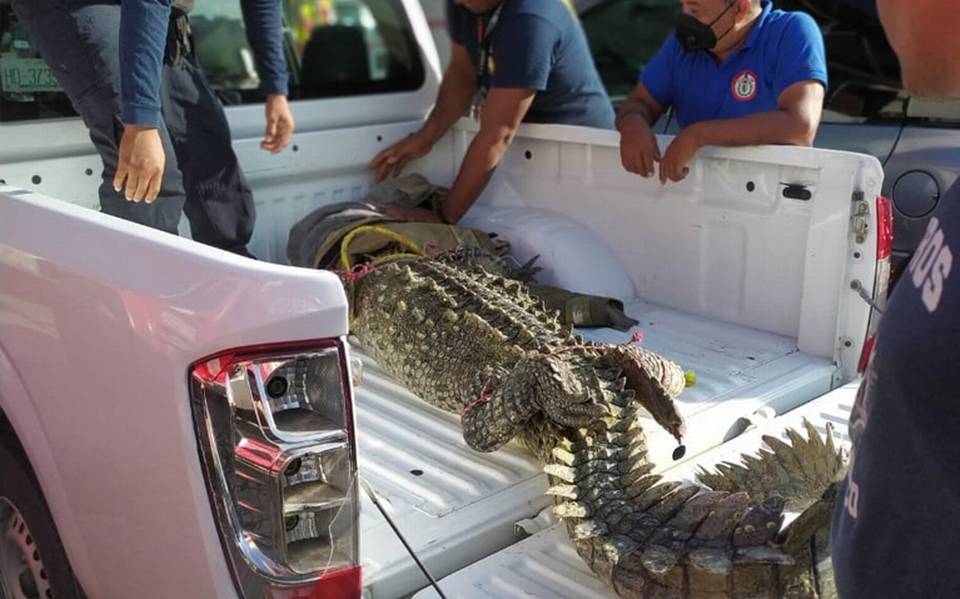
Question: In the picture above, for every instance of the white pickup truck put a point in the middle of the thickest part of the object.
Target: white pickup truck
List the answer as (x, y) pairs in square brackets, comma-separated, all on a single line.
[(151, 447)]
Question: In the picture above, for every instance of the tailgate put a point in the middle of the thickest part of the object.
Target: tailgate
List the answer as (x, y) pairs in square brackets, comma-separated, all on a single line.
[(546, 564)]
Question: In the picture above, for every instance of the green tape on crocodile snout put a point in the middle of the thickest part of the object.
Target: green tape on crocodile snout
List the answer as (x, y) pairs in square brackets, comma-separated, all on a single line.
[(577, 310)]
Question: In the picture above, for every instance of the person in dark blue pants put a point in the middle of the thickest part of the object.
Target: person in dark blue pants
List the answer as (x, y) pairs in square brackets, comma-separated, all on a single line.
[(130, 72)]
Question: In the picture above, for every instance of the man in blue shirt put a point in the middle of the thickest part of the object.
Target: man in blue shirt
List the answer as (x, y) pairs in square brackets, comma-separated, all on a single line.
[(130, 72), (737, 73), (515, 61), (895, 527)]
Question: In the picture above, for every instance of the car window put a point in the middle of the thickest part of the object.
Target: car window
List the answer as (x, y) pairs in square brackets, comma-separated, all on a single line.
[(863, 70), (333, 47)]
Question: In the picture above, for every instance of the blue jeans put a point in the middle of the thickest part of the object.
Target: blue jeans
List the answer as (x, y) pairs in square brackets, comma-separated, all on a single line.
[(79, 39)]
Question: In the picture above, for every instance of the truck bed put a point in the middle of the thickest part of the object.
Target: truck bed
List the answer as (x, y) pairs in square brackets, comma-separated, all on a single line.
[(547, 565), (727, 276), (454, 505)]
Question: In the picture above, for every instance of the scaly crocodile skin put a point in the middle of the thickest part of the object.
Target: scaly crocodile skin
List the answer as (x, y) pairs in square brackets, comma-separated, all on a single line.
[(478, 345)]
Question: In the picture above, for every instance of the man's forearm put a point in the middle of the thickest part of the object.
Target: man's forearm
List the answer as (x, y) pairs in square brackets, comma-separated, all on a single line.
[(264, 24), (454, 98), (143, 41), (776, 127), (634, 112), (482, 158)]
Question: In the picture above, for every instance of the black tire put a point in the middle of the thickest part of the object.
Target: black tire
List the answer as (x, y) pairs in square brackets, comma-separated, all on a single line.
[(18, 488)]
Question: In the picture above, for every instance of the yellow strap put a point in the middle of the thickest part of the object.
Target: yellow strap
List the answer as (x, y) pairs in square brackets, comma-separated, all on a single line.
[(393, 257), (347, 264), (406, 242)]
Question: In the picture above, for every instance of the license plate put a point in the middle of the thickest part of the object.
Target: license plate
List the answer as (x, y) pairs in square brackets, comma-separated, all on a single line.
[(27, 75)]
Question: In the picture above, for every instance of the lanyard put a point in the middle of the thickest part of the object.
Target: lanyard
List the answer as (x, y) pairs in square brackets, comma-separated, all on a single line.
[(484, 35)]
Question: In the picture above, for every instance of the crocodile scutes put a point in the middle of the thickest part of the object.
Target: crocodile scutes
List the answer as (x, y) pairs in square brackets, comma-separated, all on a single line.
[(480, 346)]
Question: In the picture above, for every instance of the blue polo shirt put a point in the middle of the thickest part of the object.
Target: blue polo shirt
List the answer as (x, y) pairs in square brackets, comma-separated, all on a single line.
[(539, 45), (783, 48)]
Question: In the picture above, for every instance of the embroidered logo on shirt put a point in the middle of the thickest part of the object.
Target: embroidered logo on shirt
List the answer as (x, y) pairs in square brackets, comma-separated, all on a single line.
[(744, 86)]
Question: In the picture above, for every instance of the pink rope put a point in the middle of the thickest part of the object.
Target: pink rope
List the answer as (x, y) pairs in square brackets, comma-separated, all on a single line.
[(486, 394), (637, 337), (570, 348), (431, 249), (354, 274)]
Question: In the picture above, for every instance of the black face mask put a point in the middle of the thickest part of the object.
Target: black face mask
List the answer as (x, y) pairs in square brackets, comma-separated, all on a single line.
[(694, 35)]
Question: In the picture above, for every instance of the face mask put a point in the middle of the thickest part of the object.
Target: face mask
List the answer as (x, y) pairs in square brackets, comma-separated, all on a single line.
[(694, 35)]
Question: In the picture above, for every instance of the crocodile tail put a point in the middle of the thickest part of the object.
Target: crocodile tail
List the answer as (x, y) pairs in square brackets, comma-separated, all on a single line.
[(648, 538), (651, 538), (806, 474), (798, 471), (807, 539)]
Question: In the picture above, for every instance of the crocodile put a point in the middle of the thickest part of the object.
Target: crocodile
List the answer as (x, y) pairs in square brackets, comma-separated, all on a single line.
[(478, 345)]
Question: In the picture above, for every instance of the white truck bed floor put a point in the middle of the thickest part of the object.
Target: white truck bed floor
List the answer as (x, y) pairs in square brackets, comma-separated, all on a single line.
[(546, 564), (456, 506)]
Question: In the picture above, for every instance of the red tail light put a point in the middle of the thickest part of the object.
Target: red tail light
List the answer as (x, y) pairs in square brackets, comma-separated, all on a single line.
[(884, 228), (344, 584), (881, 277)]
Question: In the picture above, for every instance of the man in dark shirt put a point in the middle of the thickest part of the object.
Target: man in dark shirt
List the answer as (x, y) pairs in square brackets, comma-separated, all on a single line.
[(895, 530), (515, 61), (130, 72)]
